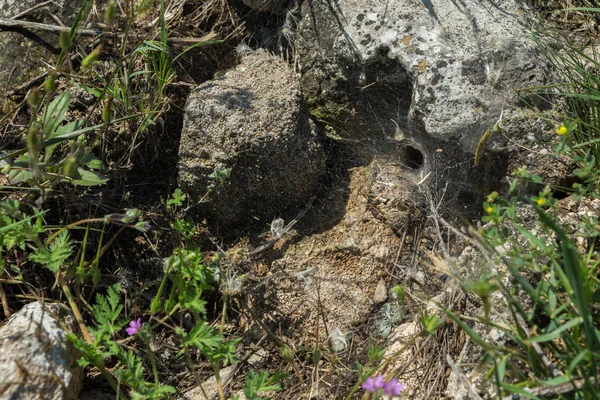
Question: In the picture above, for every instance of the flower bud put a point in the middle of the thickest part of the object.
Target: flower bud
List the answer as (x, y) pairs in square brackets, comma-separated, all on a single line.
[(92, 57), (34, 98), (110, 13), (143, 226), (64, 40), (50, 84)]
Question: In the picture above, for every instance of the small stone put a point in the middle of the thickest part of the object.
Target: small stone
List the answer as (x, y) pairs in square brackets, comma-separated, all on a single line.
[(209, 386), (381, 294), (36, 359), (258, 359)]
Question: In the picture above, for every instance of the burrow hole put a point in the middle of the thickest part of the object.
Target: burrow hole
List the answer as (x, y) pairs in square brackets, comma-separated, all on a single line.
[(413, 157)]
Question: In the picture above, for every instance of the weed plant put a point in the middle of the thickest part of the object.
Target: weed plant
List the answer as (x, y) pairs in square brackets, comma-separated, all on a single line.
[(65, 149), (545, 272)]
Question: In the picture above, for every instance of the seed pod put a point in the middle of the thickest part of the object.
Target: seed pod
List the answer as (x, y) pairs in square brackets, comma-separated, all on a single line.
[(34, 98), (50, 84), (33, 139), (110, 13), (93, 56), (107, 111), (64, 40), (70, 167)]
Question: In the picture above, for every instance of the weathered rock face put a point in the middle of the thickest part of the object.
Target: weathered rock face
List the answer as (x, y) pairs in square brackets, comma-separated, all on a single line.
[(35, 356), (22, 58), (251, 120), (437, 73), (464, 59)]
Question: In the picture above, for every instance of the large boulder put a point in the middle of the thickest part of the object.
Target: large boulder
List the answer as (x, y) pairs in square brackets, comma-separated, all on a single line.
[(455, 64), (252, 121), (434, 74), (36, 359)]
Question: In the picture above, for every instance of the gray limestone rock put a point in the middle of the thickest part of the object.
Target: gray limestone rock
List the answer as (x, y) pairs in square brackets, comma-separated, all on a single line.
[(36, 359), (251, 120), (448, 67), (433, 75)]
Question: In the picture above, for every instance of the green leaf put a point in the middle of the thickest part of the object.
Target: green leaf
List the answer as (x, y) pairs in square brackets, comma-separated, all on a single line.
[(583, 355), (261, 382), (559, 380), (68, 128), (519, 390), (55, 114), (500, 368), (107, 311), (91, 355), (536, 179), (133, 373), (184, 227), (89, 178), (556, 333), (4, 229), (89, 160), (177, 198), (202, 336), (72, 135), (21, 173), (577, 276), (532, 238), (56, 255)]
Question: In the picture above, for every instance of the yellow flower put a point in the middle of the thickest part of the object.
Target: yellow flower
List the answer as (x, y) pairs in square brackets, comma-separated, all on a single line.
[(541, 201), (561, 130), (489, 210)]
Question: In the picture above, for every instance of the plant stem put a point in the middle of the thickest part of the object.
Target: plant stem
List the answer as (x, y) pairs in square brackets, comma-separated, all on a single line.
[(86, 335), (74, 224), (384, 365), (223, 314), (154, 369), (218, 378)]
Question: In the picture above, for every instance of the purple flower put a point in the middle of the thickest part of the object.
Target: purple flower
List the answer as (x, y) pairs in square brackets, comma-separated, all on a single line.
[(393, 388), (373, 384), (134, 326), (143, 226)]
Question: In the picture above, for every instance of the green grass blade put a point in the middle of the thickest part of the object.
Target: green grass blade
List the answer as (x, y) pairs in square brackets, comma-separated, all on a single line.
[(556, 333)]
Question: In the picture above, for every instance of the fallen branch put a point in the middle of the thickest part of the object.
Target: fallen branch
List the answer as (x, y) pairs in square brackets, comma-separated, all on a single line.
[(9, 23), (12, 24), (31, 9)]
